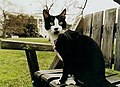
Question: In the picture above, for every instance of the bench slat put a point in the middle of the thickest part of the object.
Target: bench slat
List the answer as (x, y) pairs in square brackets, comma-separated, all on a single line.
[(114, 79), (52, 76), (53, 71), (22, 45)]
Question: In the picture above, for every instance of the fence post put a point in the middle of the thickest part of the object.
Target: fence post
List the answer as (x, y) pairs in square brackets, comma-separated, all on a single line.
[(87, 25), (97, 25), (117, 59), (108, 36)]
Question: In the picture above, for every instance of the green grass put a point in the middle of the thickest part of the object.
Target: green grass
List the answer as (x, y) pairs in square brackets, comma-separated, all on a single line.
[(14, 71), (112, 71)]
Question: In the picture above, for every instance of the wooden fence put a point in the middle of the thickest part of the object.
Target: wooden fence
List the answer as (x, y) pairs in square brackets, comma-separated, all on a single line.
[(102, 27)]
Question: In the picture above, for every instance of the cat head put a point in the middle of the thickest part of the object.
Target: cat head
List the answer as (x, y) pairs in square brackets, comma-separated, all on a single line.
[(54, 25)]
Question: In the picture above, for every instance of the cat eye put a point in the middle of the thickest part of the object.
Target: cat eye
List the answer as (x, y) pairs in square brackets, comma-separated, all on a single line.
[(60, 23), (51, 23)]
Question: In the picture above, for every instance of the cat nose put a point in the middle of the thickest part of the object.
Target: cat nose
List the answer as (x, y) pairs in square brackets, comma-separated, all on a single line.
[(55, 29)]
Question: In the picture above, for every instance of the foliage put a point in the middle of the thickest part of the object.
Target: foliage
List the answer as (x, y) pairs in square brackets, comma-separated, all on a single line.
[(31, 27), (21, 25), (5, 6)]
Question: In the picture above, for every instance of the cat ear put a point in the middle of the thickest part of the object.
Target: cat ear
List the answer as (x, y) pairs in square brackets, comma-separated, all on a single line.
[(63, 13), (46, 14)]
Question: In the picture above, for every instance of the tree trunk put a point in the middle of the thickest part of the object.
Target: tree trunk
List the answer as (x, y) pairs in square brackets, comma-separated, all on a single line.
[(4, 25)]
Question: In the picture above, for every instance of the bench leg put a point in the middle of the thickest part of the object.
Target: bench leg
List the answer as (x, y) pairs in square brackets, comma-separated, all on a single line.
[(33, 66)]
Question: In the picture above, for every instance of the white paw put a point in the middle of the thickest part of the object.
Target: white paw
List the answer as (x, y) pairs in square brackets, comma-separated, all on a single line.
[(70, 81), (57, 82)]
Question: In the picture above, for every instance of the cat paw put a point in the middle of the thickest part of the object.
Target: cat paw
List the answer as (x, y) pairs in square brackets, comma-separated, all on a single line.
[(57, 82), (70, 81)]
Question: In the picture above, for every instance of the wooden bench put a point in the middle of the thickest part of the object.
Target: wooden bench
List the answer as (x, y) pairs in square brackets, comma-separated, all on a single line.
[(100, 26)]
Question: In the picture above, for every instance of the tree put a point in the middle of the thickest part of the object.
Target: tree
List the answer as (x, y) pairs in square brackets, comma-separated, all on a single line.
[(5, 4), (4, 24), (31, 27), (15, 24), (21, 25), (74, 7)]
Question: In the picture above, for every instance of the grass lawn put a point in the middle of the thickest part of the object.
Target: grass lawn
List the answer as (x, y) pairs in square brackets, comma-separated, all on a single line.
[(14, 71)]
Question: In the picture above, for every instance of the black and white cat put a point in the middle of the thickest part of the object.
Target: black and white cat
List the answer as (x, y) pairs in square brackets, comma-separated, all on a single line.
[(81, 55), (54, 25)]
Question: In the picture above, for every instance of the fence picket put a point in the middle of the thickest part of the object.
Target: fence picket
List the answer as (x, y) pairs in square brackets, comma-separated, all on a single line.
[(117, 59), (87, 25), (108, 38), (97, 24)]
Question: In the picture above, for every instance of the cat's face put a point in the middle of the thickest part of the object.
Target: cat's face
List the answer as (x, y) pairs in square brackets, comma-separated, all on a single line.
[(55, 25)]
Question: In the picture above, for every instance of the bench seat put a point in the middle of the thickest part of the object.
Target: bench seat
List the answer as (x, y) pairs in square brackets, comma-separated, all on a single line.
[(51, 77)]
